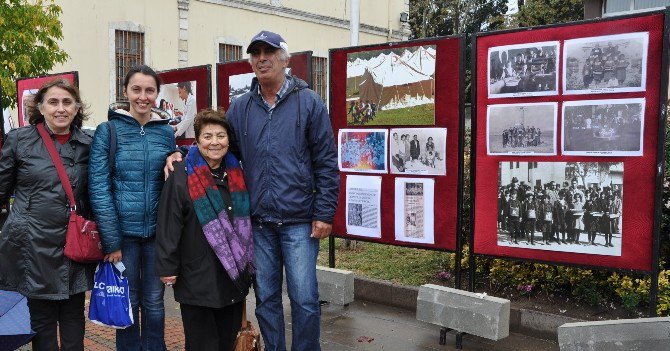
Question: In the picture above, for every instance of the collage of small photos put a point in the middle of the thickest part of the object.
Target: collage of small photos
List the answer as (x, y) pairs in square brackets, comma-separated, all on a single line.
[(565, 206), (392, 87)]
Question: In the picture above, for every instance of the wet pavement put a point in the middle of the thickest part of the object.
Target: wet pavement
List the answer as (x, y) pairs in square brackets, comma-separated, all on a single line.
[(359, 326)]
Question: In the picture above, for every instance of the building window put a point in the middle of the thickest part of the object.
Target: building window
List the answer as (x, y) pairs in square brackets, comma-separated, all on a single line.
[(320, 76), (228, 53), (129, 53), (622, 6)]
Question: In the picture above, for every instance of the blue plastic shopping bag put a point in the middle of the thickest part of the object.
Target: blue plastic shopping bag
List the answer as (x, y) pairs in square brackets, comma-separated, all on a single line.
[(110, 298)]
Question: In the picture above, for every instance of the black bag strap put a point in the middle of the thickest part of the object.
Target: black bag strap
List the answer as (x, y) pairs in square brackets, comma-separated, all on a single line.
[(112, 146)]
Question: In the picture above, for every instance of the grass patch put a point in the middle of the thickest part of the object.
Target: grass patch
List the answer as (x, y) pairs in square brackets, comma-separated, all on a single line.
[(396, 264), (416, 115)]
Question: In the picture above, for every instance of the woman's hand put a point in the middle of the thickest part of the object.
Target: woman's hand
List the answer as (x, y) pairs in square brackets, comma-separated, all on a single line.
[(169, 281), (113, 257)]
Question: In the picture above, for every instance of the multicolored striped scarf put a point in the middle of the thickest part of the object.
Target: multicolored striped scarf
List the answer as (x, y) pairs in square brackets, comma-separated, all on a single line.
[(232, 242)]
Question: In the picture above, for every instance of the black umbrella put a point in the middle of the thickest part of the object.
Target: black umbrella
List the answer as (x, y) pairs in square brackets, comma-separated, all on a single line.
[(14, 321)]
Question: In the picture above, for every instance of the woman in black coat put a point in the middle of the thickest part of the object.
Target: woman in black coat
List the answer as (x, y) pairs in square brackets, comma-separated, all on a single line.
[(199, 227), (33, 237)]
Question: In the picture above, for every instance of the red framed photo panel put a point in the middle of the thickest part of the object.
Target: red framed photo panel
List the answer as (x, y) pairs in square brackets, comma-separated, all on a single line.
[(237, 76), (638, 182), (27, 87), (199, 77), (447, 76)]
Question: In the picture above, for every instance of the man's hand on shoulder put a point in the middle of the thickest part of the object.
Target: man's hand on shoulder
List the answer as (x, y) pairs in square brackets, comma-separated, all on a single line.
[(321, 230), (175, 157)]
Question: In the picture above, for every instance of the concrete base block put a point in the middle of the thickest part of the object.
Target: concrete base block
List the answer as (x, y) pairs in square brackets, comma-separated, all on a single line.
[(644, 334), (335, 285), (463, 311)]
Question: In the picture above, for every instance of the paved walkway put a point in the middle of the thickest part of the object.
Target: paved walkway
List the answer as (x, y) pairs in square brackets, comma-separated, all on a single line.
[(359, 326)]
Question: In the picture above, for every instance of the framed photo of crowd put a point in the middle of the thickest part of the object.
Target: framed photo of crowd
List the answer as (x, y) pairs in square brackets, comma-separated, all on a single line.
[(27, 87), (397, 112), (569, 124)]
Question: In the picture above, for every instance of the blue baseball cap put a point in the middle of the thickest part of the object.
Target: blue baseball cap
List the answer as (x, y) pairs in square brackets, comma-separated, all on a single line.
[(273, 39)]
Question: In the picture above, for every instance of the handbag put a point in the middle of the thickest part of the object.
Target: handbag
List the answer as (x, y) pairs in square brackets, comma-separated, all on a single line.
[(82, 241), (248, 338), (110, 298)]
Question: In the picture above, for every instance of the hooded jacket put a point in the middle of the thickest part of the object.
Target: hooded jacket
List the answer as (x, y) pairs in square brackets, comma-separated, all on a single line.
[(289, 155), (33, 236), (125, 201)]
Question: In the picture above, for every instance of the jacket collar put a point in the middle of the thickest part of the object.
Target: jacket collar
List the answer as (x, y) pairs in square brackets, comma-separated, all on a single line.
[(76, 134), (294, 83), (126, 116)]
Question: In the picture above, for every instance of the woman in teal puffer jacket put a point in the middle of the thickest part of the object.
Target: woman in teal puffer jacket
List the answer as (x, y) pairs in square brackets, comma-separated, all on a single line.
[(124, 199)]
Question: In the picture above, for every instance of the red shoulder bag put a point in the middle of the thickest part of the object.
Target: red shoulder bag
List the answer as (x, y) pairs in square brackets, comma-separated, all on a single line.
[(82, 241)]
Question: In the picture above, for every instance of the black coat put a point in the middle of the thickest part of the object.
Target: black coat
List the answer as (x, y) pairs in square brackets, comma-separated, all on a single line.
[(183, 251), (33, 237)]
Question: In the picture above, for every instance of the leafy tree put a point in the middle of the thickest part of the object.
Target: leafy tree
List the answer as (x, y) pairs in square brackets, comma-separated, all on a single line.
[(541, 12), (430, 18), (28, 42)]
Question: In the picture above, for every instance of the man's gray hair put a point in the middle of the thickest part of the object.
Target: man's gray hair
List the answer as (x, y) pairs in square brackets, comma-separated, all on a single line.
[(283, 55)]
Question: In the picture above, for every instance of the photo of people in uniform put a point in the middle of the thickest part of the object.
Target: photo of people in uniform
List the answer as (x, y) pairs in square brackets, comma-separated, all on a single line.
[(362, 150), (418, 151), (561, 206), (603, 127), (523, 70), (522, 129), (607, 64)]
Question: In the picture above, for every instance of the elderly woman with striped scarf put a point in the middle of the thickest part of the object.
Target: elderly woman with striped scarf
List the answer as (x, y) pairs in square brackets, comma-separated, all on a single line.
[(204, 247)]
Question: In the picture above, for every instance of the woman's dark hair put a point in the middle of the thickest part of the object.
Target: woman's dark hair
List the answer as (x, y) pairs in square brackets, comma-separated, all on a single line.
[(34, 114), (186, 86), (210, 116), (146, 70)]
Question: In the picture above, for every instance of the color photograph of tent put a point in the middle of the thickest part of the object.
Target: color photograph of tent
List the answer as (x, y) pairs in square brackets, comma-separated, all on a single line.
[(391, 87)]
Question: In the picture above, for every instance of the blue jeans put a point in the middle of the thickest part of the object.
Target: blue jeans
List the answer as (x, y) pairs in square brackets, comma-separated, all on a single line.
[(146, 291), (291, 246)]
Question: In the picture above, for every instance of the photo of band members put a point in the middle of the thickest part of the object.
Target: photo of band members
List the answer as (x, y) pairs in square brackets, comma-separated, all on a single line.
[(614, 63), (561, 206)]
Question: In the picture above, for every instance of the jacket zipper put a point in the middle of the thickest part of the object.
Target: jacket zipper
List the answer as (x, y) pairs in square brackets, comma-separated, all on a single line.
[(146, 181), (267, 158)]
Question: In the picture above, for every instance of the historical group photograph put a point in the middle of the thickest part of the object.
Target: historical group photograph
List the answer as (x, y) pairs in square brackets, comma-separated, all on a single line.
[(607, 64), (523, 70), (561, 206), (603, 127), (522, 129)]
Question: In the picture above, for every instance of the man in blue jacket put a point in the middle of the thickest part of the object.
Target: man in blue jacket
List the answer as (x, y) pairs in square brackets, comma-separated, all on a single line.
[(285, 139)]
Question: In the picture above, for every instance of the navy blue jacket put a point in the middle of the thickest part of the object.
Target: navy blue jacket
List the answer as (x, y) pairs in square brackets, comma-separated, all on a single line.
[(125, 203), (289, 155)]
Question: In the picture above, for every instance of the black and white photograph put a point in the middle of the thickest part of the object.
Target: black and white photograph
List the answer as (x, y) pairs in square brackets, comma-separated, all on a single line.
[(529, 69), (603, 127), (420, 151), (522, 129), (561, 206), (393, 86), (606, 64)]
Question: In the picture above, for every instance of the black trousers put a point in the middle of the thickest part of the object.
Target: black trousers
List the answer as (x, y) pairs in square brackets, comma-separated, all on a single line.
[(48, 316), (211, 329)]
